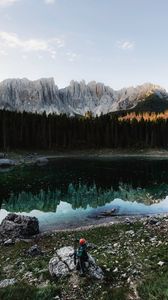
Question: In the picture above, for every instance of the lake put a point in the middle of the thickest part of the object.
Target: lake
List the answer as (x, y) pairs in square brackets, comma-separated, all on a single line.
[(70, 192)]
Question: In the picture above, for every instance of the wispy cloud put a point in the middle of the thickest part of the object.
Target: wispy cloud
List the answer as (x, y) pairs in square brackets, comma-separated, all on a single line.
[(49, 1), (8, 2), (13, 41), (125, 44), (72, 56)]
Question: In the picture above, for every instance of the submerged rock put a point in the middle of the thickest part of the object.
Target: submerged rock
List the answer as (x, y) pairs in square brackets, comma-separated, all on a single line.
[(14, 226), (62, 264)]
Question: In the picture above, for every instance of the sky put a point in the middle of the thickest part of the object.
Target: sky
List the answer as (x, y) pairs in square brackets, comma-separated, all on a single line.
[(118, 42)]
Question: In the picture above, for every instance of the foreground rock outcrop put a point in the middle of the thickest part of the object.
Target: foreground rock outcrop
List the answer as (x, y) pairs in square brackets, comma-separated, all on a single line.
[(62, 264), (18, 226)]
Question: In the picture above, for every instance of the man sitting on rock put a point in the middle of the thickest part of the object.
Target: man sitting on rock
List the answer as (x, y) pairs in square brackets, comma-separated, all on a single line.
[(82, 256)]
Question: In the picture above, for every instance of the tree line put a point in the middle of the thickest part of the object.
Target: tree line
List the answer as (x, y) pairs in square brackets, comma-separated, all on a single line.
[(30, 131)]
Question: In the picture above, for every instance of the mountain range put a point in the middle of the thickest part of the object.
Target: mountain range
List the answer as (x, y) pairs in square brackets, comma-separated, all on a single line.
[(77, 98)]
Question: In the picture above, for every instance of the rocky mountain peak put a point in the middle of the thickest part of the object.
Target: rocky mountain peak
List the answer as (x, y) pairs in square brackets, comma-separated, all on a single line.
[(77, 98)]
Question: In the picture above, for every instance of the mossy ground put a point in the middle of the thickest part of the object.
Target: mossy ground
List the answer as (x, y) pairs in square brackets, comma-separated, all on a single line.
[(127, 253)]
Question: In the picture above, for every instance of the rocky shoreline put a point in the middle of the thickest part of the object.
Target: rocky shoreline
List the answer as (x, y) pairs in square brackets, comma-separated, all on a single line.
[(42, 158)]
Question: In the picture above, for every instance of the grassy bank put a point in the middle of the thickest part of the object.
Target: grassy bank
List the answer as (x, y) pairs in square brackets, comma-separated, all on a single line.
[(134, 258)]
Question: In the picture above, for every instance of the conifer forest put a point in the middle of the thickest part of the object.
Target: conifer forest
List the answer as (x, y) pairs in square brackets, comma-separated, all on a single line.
[(30, 131)]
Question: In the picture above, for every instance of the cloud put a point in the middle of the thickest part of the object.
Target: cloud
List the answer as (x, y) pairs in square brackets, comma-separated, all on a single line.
[(13, 41), (126, 45), (3, 52), (10, 2), (72, 56), (49, 1), (7, 2), (25, 57)]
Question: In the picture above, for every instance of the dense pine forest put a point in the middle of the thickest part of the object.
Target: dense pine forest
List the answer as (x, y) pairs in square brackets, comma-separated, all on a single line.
[(29, 131)]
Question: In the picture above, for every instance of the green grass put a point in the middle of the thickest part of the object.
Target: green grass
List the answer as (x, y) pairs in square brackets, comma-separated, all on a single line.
[(132, 257), (24, 291), (155, 287)]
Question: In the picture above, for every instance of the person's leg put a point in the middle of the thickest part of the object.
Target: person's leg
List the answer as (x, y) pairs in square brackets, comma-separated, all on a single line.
[(82, 265), (78, 265)]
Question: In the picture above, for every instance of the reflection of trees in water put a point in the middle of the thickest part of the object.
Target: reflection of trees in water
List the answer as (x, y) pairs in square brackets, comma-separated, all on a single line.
[(80, 196), (105, 173), (26, 201), (101, 181)]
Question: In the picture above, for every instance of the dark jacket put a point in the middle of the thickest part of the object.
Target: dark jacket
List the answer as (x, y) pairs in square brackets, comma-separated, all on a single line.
[(82, 252)]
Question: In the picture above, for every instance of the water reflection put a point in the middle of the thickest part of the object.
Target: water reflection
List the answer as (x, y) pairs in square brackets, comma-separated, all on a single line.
[(70, 189), (82, 196)]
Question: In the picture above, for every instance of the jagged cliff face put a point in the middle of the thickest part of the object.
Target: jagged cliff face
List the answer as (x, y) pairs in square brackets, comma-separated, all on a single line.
[(78, 98), (82, 97), (32, 96)]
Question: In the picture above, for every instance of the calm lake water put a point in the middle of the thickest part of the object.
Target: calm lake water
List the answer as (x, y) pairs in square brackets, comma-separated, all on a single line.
[(71, 192)]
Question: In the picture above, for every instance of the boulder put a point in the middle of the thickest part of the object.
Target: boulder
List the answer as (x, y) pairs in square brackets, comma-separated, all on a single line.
[(94, 270), (18, 226), (6, 162), (6, 282), (8, 242), (58, 268), (152, 221), (34, 251), (62, 264)]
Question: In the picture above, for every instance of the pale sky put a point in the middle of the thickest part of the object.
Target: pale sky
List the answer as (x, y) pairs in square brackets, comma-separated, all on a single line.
[(118, 42)]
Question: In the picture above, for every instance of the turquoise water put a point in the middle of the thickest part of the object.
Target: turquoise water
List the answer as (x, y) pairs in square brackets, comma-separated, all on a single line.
[(73, 192)]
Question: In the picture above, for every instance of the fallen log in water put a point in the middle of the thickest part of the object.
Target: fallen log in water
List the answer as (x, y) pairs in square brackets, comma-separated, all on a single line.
[(108, 213)]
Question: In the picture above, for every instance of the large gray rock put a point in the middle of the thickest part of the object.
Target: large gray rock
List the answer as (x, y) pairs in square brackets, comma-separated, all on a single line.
[(18, 226), (62, 264), (93, 270), (58, 268), (6, 282)]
